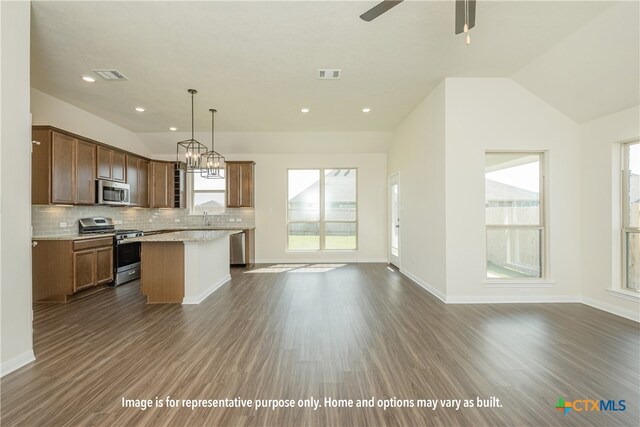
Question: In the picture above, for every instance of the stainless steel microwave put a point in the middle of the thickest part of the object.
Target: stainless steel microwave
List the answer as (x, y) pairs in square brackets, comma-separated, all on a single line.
[(113, 193)]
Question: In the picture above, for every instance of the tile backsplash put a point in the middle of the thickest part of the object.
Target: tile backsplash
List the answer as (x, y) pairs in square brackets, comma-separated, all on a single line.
[(47, 220)]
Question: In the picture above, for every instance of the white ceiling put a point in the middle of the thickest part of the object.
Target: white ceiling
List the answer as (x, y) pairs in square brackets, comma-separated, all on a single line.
[(256, 62)]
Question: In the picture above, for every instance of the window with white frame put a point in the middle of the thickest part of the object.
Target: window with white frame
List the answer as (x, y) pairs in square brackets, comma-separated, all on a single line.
[(322, 212), (514, 206), (206, 195), (631, 216)]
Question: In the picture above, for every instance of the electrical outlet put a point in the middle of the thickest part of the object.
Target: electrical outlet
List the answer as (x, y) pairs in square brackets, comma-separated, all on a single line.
[(176, 220), (118, 221), (63, 224), (150, 220)]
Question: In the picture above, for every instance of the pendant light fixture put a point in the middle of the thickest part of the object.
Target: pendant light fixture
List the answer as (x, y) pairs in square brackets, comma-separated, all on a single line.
[(190, 151), (213, 163), (467, 38)]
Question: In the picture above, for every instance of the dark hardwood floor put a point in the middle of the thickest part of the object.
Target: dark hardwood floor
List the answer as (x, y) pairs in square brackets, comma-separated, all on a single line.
[(353, 332)]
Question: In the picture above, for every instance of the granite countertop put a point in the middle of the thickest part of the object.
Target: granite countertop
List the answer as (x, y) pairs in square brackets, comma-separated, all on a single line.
[(185, 236), (76, 236), (197, 227), (73, 236)]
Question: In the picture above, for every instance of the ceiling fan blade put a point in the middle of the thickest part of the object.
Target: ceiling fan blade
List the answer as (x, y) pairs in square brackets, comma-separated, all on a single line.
[(460, 14), (379, 9)]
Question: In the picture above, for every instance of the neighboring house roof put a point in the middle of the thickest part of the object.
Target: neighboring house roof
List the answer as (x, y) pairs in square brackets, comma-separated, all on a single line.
[(211, 204), (497, 191)]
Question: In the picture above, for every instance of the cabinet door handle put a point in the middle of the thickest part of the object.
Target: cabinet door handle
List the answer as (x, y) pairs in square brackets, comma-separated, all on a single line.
[(34, 244)]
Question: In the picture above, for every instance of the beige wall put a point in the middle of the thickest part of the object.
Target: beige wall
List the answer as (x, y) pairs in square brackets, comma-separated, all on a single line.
[(498, 114), (418, 154), (271, 205), (15, 161), (601, 209), (48, 110)]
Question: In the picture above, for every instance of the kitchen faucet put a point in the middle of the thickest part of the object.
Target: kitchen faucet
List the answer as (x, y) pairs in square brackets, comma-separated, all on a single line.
[(205, 219)]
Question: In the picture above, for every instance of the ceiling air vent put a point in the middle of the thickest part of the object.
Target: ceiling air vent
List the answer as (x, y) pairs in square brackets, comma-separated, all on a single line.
[(110, 74), (328, 74)]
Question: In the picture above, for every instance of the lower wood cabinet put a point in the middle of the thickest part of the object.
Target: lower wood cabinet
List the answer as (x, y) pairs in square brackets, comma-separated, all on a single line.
[(61, 268), (92, 267)]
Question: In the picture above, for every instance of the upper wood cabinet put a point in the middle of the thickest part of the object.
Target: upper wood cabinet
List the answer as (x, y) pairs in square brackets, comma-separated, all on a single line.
[(137, 178), (85, 173), (63, 169), (240, 184), (161, 184), (143, 183), (111, 165)]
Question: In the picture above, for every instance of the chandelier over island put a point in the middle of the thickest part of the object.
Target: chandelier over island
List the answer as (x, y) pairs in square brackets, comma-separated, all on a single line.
[(191, 151), (213, 163)]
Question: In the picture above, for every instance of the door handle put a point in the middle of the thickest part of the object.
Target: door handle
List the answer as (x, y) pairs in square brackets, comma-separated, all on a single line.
[(34, 244)]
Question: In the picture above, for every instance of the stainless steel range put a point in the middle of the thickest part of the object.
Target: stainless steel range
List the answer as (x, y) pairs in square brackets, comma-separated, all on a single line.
[(126, 255)]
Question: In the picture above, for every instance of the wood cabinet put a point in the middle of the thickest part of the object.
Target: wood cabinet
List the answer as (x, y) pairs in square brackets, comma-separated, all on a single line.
[(111, 164), (63, 165), (137, 178), (240, 184), (161, 184), (62, 268), (84, 267), (85, 173), (143, 183), (92, 262), (63, 169)]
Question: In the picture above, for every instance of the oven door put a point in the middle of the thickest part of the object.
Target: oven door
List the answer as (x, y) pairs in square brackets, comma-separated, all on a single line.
[(127, 255)]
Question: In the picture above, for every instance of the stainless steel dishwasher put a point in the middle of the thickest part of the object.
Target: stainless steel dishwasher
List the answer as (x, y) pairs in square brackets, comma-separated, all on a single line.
[(237, 249)]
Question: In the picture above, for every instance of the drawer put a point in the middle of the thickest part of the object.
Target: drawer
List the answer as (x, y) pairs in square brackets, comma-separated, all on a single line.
[(79, 245)]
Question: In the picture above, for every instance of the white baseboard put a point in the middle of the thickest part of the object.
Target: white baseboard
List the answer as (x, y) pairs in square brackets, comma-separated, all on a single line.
[(198, 299), (17, 362), (512, 299), (435, 292), (322, 261), (610, 308)]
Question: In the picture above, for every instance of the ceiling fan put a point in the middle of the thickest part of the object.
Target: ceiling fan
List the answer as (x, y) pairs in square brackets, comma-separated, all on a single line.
[(465, 14)]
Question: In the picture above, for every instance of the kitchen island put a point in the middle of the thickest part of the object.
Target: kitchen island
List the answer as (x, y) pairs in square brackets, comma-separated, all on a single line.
[(184, 266)]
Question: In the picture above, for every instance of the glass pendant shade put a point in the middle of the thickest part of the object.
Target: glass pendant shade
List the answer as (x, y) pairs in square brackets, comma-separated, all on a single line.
[(213, 163), (191, 151)]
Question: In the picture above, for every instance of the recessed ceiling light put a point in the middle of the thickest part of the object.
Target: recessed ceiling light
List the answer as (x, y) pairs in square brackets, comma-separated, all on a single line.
[(305, 110), (173, 128), (140, 109), (366, 110), (88, 79)]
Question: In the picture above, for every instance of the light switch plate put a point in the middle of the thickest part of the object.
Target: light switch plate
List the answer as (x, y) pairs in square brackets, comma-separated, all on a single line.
[(176, 220), (63, 224)]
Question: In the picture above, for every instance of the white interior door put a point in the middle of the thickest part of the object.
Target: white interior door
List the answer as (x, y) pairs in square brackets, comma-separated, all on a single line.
[(394, 219)]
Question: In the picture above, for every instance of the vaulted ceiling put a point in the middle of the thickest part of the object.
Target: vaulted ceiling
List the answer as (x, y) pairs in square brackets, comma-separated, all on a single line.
[(257, 61)]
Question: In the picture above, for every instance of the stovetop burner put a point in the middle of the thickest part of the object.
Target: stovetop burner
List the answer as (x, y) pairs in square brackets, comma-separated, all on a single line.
[(100, 225)]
